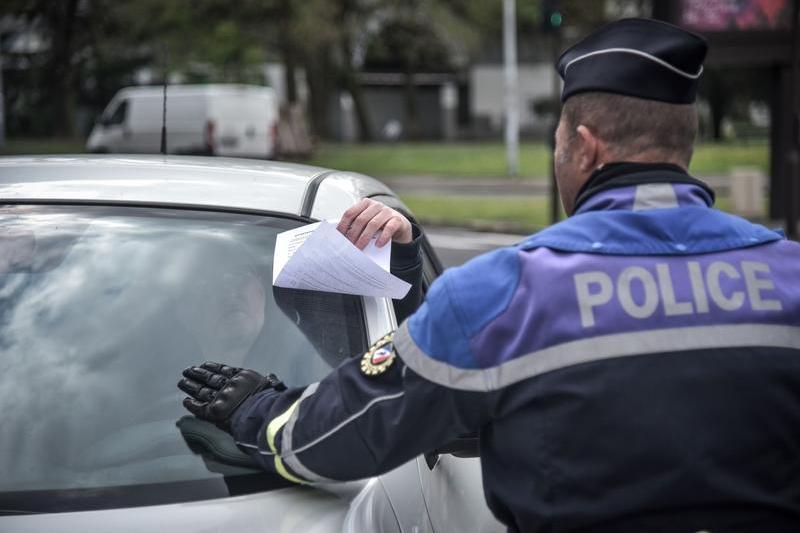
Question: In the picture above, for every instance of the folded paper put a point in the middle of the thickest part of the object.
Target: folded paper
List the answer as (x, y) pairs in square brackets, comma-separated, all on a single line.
[(318, 257)]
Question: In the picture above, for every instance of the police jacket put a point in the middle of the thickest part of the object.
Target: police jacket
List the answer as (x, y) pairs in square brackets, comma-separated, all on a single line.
[(633, 368)]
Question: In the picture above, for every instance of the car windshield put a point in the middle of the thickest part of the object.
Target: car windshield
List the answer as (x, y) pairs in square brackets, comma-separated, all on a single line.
[(101, 308)]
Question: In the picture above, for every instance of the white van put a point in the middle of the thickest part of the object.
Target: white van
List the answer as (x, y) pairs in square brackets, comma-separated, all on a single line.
[(218, 119)]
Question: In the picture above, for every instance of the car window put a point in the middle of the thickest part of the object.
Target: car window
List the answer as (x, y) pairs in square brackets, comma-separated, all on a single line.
[(100, 311), (118, 116)]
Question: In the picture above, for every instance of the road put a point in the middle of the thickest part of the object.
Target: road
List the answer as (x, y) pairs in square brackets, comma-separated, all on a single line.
[(454, 246)]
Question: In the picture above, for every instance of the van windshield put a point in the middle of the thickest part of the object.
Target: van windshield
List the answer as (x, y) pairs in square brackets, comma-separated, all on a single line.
[(101, 309)]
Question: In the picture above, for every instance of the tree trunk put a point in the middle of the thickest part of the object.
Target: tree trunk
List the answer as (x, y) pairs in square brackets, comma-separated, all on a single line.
[(289, 65), (718, 104), (288, 52), (319, 75), (412, 107), (353, 86), (62, 95)]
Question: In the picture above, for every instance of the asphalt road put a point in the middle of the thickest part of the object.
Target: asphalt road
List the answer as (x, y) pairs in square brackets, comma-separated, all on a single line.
[(454, 246)]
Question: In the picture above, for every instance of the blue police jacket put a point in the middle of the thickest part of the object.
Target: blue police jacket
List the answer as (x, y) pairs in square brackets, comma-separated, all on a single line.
[(633, 368)]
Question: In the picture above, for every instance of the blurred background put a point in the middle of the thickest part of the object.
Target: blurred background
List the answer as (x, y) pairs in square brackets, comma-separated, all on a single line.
[(451, 102)]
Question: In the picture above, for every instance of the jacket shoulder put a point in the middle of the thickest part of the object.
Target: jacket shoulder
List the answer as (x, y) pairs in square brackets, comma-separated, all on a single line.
[(676, 231), (462, 302)]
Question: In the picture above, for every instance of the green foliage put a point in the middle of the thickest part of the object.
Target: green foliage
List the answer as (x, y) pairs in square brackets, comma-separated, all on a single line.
[(202, 38), (91, 48)]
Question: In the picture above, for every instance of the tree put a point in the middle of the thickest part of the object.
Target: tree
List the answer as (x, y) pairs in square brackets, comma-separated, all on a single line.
[(414, 36), (61, 28)]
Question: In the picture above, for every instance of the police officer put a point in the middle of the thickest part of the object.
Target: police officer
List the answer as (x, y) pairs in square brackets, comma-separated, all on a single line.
[(633, 368)]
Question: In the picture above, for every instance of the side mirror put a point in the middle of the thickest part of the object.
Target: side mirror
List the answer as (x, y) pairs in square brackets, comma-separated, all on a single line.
[(464, 446)]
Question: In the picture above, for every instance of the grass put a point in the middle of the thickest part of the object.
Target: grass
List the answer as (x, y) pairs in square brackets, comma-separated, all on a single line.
[(484, 159), (721, 158), (498, 213), (58, 145), (457, 160), (515, 215), (487, 159)]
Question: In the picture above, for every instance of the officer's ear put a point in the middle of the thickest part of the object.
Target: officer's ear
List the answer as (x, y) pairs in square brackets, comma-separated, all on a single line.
[(588, 149)]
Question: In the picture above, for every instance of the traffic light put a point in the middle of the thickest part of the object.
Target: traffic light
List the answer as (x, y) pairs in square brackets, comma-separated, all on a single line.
[(552, 17)]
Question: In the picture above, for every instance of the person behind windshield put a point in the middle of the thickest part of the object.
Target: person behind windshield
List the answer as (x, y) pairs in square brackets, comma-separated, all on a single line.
[(312, 312), (222, 301), (632, 368), (222, 298)]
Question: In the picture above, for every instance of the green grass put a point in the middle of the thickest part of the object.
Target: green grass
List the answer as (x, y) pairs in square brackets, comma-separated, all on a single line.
[(487, 159), (457, 160), (23, 146), (520, 215), (492, 213), (720, 159), (484, 159)]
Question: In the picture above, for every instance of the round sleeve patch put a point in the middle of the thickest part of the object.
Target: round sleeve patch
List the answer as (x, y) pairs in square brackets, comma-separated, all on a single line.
[(380, 357)]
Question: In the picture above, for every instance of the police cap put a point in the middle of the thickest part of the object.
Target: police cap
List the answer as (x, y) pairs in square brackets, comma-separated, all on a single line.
[(635, 57)]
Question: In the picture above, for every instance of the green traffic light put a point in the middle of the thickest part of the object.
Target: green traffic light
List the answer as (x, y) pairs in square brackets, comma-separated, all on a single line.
[(556, 19)]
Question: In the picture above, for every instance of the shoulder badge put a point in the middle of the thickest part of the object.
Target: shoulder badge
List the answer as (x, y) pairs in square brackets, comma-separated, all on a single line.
[(380, 357)]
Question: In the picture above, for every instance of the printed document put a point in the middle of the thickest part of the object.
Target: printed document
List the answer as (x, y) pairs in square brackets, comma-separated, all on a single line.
[(319, 258)]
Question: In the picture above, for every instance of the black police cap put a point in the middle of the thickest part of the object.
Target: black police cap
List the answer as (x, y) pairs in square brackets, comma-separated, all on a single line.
[(635, 57)]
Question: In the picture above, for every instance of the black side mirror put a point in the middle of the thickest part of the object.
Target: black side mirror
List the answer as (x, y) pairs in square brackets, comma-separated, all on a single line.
[(464, 446)]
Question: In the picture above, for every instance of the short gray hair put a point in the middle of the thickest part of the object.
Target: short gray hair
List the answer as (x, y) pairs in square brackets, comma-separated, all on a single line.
[(633, 126)]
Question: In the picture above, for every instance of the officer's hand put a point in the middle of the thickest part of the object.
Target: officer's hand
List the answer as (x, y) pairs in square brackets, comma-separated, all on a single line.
[(368, 217), (216, 390)]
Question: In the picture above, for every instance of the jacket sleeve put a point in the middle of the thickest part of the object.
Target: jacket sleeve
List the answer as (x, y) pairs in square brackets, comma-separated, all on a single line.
[(352, 425), (406, 264)]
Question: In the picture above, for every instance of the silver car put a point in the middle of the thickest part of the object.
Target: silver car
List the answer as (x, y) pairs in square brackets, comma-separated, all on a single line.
[(118, 272)]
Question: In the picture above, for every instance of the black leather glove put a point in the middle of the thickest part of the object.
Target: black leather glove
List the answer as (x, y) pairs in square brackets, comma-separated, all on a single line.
[(216, 390)]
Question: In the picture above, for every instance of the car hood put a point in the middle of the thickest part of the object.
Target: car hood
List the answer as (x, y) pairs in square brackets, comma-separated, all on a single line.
[(355, 506)]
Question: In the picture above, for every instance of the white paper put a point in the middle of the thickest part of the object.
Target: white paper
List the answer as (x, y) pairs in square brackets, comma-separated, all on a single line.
[(318, 257)]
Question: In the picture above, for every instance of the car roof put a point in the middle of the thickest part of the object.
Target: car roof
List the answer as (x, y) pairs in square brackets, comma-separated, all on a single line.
[(194, 181)]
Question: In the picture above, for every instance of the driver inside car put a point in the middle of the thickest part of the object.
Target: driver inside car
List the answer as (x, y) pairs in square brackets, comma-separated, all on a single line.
[(222, 305), (222, 310), (228, 326)]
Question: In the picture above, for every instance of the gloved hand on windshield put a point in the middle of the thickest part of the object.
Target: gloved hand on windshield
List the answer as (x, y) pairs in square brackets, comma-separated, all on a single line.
[(216, 390)]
